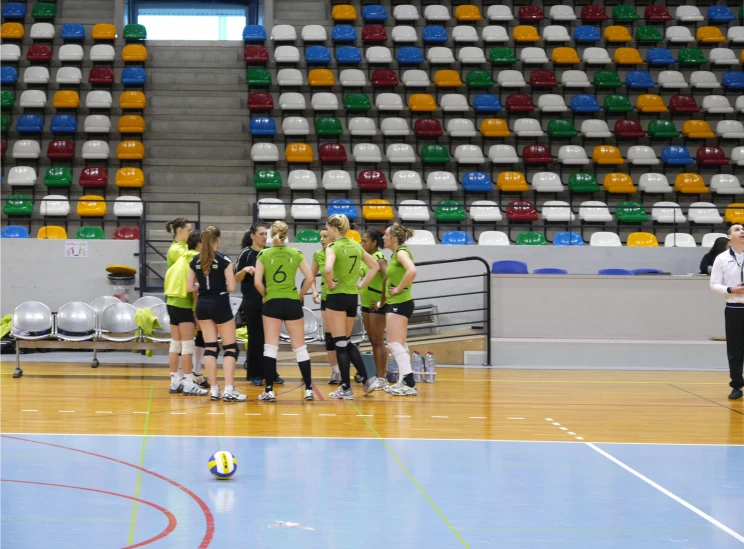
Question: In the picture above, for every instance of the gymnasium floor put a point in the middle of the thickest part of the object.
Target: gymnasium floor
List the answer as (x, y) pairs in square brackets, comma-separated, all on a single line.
[(483, 458)]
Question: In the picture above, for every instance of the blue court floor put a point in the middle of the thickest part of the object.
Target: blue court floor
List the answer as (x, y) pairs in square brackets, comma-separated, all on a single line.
[(73, 491)]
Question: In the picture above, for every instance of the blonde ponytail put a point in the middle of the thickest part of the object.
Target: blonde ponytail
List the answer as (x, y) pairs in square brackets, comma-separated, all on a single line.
[(279, 232), (401, 233)]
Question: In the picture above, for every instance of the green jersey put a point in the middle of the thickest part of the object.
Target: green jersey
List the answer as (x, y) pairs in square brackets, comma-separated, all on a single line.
[(280, 270), (175, 252), (373, 292), (395, 273), (346, 268), (319, 258)]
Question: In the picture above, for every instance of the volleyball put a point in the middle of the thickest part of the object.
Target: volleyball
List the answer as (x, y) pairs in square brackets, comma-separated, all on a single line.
[(223, 465)]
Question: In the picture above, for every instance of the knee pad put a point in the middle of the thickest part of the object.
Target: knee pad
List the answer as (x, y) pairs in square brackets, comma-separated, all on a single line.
[(329, 342), (212, 349), (187, 347), (271, 351), (301, 354), (340, 344), (397, 349), (199, 340), (175, 346), (231, 350)]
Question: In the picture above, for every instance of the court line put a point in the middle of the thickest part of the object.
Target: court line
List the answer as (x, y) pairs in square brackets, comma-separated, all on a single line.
[(667, 493), (709, 400), (412, 479), (139, 473)]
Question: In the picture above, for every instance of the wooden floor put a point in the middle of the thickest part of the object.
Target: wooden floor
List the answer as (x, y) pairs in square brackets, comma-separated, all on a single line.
[(593, 406)]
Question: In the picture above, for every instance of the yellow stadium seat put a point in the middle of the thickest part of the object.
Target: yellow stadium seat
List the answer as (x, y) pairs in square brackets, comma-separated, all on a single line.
[(134, 53), (526, 33), (512, 182), (735, 213), (690, 183), (91, 205), (709, 35), (467, 12), (741, 57), (642, 240), (299, 152), (565, 56), (12, 31), (649, 102), (617, 34), (607, 155), (132, 100), (494, 127), (131, 123), (697, 129), (628, 56), (619, 183), (422, 102), (354, 235), (130, 150), (321, 77), (130, 177), (447, 79), (103, 31), (52, 232), (344, 12), (66, 99), (377, 209)]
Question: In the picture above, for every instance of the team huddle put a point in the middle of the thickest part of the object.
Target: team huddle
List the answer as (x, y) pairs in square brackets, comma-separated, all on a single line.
[(200, 279)]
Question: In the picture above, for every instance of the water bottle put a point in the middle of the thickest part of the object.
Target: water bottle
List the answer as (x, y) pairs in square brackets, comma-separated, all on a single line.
[(417, 365), (430, 367), (392, 369)]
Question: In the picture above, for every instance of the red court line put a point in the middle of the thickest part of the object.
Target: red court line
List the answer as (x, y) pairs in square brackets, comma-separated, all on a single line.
[(171, 518), (317, 392), (208, 516)]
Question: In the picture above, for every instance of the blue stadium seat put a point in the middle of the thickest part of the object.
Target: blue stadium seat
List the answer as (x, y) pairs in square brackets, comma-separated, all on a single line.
[(409, 55), (72, 31), (254, 33), (615, 272), (348, 54), (14, 10), (660, 57), (639, 80), (318, 55), (586, 34), (487, 102), (477, 182), (733, 80), (63, 123), (456, 238), (133, 76), (342, 206), (647, 272), (584, 103), (343, 33), (14, 231), (509, 267), (30, 123), (374, 13), (434, 35), (566, 238), (720, 14), (8, 75), (550, 271), (676, 155), (263, 125)]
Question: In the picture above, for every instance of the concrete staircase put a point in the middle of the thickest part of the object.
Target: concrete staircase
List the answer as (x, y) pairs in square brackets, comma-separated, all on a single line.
[(86, 12)]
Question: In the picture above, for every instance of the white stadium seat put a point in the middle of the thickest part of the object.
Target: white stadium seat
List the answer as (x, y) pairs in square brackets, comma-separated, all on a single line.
[(22, 176), (493, 238), (679, 240), (264, 152), (102, 53), (302, 180), (26, 148), (336, 180), (441, 182), (306, 209), (414, 210), (485, 211), (605, 239), (54, 205), (128, 206), (97, 123), (295, 125), (271, 209), (95, 149)]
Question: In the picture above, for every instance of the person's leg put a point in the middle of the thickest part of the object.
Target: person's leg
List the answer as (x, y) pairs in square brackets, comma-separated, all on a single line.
[(354, 355), (190, 387), (296, 330), (254, 321), (735, 349), (271, 327), (174, 353), (337, 325), (397, 331), (331, 351), (376, 334), (211, 351), (199, 360), (230, 350)]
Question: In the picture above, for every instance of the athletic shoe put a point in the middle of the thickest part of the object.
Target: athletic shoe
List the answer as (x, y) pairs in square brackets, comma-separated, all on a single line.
[(381, 384), (279, 381), (192, 389), (341, 393), (234, 396), (201, 381), (370, 386), (214, 394), (358, 378), (258, 382), (736, 394), (267, 396), (309, 395), (335, 378), (401, 389), (176, 385)]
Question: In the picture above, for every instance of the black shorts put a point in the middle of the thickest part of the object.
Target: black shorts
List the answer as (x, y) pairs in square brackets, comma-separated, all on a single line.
[(215, 308), (179, 315), (403, 309), (323, 305), (343, 302), (283, 309), (381, 311)]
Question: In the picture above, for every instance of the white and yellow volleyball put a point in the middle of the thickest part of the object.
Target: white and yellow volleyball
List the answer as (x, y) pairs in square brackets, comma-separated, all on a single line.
[(223, 465)]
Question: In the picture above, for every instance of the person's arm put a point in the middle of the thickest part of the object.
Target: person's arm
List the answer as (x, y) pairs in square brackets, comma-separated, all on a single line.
[(309, 280), (191, 285), (328, 271), (314, 271), (383, 271), (370, 262), (230, 279), (716, 278), (410, 275), (258, 279)]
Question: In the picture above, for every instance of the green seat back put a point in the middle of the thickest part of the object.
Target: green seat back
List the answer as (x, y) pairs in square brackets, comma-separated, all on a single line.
[(58, 177), (562, 127), (583, 183), (625, 13), (691, 56), (328, 126), (135, 32), (502, 56), (307, 236), (607, 79), (648, 34), (531, 238), (630, 212), (267, 180), (449, 211), (7, 99), (479, 79), (435, 154), (86, 232), (18, 204), (617, 103), (4, 123), (663, 129), (258, 78), (44, 10), (357, 102)]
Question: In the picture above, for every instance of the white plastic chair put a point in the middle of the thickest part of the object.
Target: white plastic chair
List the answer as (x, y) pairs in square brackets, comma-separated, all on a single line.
[(654, 183), (704, 80), (485, 211), (405, 12), (22, 176), (407, 180), (594, 211), (286, 54), (33, 99), (10, 53), (54, 205), (400, 153), (573, 155), (440, 55), (470, 55), (362, 126), (562, 13), (575, 79), (421, 237), (723, 56), (352, 78), (26, 148), (289, 77), (510, 79), (726, 184), (672, 79), (295, 125), (527, 127), (336, 180), (547, 182), (717, 104), (283, 33), (367, 152), (128, 206), (556, 33), (271, 209), (609, 240), (461, 127), (704, 213), (324, 101), (454, 102), (710, 239), (292, 101), (436, 13), (551, 102), (595, 129), (463, 34), (494, 34), (493, 238), (441, 182), (99, 99), (97, 123), (503, 154), (679, 35), (736, 35), (737, 156), (95, 149), (533, 55), (378, 55), (469, 154), (264, 152), (404, 34), (679, 240), (69, 75), (415, 78), (102, 53), (557, 211), (667, 212), (395, 127), (306, 209), (596, 56), (642, 155), (499, 13), (314, 33), (36, 75), (72, 53), (688, 14), (414, 210), (42, 31), (389, 102), (730, 129), (302, 180)]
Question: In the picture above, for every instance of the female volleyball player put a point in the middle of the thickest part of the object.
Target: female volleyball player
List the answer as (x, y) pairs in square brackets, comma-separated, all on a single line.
[(343, 260), (212, 275), (278, 265), (373, 304), (318, 266), (401, 272), (181, 229)]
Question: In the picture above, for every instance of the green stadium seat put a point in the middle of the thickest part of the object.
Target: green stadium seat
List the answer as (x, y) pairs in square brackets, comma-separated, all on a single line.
[(18, 205), (58, 177), (357, 102), (662, 129), (449, 211), (479, 80), (625, 13), (648, 34), (44, 10), (607, 79), (502, 56), (86, 232), (435, 154), (630, 212), (328, 126), (4, 123), (562, 128), (583, 183), (691, 56), (267, 180), (7, 99), (135, 32), (617, 104), (531, 238), (307, 236), (258, 78)]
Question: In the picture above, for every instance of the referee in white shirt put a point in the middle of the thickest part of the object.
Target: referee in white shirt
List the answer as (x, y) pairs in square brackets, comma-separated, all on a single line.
[(727, 278)]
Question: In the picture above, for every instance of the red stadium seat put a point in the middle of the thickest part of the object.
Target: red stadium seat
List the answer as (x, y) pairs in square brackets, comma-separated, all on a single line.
[(711, 156), (127, 233), (521, 210), (94, 177), (428, 127), (61, 150), (374, 34), (530, 13), (537, 154), (543, 79), (683, 104), (101, 75), (629, 129), (519, 102), (260, 102), (332, 152), (657, 14), (39, 52), (256, 54), (384, 78), (593, 14), (372, 180)]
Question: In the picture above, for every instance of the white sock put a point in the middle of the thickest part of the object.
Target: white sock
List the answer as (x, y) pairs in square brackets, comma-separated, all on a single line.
[(215, 388), (190, 378), (229, 388), (198, 356), (176, 375), (180, 370), (404, 364)]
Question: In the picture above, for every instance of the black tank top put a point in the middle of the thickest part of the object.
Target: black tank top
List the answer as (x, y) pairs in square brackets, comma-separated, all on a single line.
[(215, 283)]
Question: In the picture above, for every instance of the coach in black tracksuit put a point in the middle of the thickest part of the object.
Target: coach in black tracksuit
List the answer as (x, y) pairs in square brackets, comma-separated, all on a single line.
[(252, 306)]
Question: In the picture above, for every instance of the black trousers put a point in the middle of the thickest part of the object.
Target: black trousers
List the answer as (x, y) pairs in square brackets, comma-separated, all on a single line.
[(253, 319), (735, 345)]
